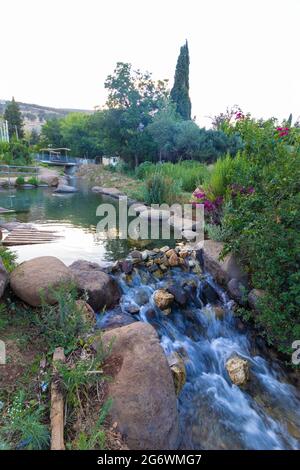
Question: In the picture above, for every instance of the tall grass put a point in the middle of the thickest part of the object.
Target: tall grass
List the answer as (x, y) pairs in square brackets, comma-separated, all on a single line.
[(227, 171), (189, 173)]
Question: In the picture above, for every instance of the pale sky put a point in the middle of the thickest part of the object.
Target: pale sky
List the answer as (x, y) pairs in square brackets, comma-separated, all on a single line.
[(246, 52)]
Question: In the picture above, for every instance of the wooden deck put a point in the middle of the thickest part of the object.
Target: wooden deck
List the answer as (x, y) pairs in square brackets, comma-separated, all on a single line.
[(29, 236)]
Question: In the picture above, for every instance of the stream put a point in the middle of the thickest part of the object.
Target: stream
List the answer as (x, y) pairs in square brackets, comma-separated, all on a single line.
[(214, 413)]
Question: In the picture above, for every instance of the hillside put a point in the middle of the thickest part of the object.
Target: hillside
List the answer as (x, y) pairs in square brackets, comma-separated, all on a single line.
[(35, 115)]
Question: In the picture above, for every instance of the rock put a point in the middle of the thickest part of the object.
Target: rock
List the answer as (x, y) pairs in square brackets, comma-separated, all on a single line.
[(27, 186), (3, 278), (222, 271), (164, 249), (237, 291), (13, 225), (254, 296), (188, 235), (64, 188), (126, 266), (173, 260), (208, 294), (170, 253), (87, 312), (219, 312), (113, 192), (179, 294), (155, 214), (38, 275), (102, 290), (114, 318), (178, 371), (238, 370), (50, 180), (144, 404), (163, 299), (167, 311), (136, 254)]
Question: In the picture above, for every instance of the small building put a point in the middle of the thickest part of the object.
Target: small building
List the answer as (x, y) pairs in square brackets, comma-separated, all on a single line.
[(113, 161)]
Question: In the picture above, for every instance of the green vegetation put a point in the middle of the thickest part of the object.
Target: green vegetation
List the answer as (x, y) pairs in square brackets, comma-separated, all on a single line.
[(13, 116), (15, 152), (64, 323), (180, 90), (254, 200), (8, 258), (141, 122)]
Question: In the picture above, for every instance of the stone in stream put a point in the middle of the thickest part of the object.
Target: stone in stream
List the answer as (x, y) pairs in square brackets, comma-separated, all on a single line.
[(178, 371), (102, 290), (179, 294), (39, 276), (238, 370), (126, 266), (209, 294), (64, 188), (114, 318), (144, 403), (163, 299)]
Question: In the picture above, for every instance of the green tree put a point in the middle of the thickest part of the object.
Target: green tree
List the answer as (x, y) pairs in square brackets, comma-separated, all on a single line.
[(163, 131), (180, 90), (14, 118), (52, 133), (133, 99)]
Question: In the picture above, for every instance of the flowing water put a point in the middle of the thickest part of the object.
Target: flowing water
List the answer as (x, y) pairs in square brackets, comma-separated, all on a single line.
[(214, 413)]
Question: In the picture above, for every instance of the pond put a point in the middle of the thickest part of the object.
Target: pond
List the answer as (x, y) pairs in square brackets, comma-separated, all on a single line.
[(73, 216)]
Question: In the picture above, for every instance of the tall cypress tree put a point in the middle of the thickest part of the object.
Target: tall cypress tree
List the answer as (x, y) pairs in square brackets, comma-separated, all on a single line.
[(180, 90), (13, 116)]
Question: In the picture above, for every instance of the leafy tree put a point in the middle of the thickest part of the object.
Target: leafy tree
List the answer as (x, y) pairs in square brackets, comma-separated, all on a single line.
[(14, 118), (180, 90), (133, 98), (52, 133), (163, 130)]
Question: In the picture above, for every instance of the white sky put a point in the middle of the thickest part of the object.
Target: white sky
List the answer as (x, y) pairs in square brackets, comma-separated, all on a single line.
[(59, 52)]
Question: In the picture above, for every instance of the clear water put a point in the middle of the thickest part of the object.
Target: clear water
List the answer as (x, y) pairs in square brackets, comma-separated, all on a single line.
[(214, 413), (71, 215)]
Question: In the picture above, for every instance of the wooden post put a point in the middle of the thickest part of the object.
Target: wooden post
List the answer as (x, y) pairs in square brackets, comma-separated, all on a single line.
[(57, 405)]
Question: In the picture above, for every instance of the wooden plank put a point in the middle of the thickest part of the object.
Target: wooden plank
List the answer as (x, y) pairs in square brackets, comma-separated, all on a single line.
[(57, 404)]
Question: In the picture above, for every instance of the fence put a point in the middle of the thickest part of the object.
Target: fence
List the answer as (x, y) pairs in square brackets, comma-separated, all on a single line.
[(62, 159), (15, 170)]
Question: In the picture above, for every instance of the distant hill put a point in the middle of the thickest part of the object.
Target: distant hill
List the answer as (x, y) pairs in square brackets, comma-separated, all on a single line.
[(35, 115)]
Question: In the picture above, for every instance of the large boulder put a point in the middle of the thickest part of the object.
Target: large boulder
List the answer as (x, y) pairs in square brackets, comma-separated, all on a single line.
[(238, 370), (238, 291), (102, 289), (65, 188), (143, 395), (3, 278), (222, 270), (39, 276)]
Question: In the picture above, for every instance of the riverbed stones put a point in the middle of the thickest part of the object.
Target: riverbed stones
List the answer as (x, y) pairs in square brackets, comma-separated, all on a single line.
[(39, 276), (127, 266), (163, 299), (144, 404), (179, 294), (3, 278), (177, 367), (173, 260), (102, 290), (238, 370)]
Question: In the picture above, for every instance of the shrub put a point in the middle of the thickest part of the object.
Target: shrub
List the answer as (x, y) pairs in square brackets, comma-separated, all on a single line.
[(23, 424), (8, 258), (62, 324), (160, 189), (20, 181), (33, 180)]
